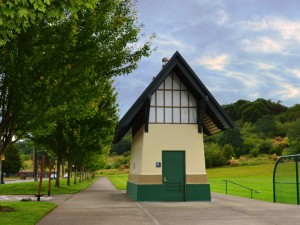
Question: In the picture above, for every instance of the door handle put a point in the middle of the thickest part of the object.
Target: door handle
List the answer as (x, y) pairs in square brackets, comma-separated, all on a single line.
[(165, 179)]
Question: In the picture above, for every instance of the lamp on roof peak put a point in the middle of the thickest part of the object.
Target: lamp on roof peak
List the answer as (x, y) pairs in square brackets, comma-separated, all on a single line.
[(165, 60)]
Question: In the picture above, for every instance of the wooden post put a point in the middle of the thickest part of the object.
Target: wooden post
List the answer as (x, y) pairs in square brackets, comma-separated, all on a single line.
[(41, 178), (50, 173)]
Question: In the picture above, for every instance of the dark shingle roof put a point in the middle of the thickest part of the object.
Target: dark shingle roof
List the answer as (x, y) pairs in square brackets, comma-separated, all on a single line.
[(211, 120)]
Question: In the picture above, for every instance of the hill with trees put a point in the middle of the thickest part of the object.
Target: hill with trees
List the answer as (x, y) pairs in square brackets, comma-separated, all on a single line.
[(262, 127)]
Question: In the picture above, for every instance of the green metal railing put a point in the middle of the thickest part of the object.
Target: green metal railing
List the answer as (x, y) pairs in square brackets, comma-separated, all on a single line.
[(251, 190)]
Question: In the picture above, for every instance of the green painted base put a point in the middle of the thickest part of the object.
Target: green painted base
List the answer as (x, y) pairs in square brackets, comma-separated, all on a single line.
[(145, 192), (154, 192), (197, 192)]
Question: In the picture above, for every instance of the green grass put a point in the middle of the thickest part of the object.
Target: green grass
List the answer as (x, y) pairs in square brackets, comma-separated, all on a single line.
[(31, 188), (258, 177), (26, 213), (119, 181)]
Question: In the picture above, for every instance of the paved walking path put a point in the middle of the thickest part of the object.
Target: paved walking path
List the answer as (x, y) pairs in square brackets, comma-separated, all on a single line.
[(101, 203)]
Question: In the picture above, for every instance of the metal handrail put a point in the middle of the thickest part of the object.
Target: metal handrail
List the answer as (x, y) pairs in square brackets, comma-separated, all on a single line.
[(252, 190)]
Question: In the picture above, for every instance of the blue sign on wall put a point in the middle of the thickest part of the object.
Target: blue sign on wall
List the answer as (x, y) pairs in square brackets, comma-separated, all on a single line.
[(158, 164)]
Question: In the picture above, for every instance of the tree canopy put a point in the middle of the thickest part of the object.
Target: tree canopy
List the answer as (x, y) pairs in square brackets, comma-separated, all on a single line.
[(55, 57)]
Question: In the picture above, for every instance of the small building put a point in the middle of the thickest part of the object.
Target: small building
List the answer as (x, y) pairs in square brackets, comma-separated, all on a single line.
[(168, 123)]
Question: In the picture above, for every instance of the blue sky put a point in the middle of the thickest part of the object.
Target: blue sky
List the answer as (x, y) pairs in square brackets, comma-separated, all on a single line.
[(240, 49)]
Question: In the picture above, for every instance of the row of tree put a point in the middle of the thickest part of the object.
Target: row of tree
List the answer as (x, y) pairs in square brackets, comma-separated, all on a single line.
[(57, 59)]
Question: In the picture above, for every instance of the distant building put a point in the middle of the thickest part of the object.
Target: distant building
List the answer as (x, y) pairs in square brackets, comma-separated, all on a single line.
[(168, 123)]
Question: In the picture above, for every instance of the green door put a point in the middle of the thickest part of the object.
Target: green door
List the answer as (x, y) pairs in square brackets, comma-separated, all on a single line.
[(173, 170)]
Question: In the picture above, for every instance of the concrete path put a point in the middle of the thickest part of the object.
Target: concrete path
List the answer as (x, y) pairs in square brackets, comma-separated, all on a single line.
[(101, 203)]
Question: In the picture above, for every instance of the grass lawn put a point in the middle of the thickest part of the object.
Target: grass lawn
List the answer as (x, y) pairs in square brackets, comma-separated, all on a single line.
[(119, 181), (258, 177), (31, 188), (26, 213)]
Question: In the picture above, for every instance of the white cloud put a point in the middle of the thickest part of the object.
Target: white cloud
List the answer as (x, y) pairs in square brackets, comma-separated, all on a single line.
[(287, 91), (264, 66), (214, 62), (296, 73), (263, 44)]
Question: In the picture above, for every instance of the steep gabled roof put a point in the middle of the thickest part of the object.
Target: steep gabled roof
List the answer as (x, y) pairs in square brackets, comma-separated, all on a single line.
[(211, 117)]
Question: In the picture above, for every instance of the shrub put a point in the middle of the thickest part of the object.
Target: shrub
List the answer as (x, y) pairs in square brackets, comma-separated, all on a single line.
[(276, 150), (228, 151), (254, 152), (274, 157), (233, 162), (214, 157), (265, 147)]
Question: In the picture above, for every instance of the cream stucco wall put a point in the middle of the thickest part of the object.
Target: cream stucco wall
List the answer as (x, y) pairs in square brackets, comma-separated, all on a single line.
[(137, 152), (147, 148)]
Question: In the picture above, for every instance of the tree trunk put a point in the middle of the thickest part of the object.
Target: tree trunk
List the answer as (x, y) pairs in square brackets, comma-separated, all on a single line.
[(69, 174), (75, 176), (35, 164), (1, 172), (62, 170), (57, 181), (80, 175)]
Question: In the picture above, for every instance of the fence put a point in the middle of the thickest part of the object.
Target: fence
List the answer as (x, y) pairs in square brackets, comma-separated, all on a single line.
[(286, 180)]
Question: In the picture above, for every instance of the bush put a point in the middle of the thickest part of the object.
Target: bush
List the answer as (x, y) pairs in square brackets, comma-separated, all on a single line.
[(274, 157), (254, 152), (228, 151), (214, 157), (265, 147), (233, 162), (276, 150), (123, 161)]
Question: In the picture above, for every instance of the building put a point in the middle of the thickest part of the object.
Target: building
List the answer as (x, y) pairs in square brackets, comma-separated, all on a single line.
[(168, 123)]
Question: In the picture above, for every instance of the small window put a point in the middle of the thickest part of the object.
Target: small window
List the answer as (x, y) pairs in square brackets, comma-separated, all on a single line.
[(168, 83), (193, 115), (176, 98), (184, 99), (160, 115), (152, 115), (159, 98), (184, 115), (176, 82), (192, 101), (168, 98), (176, 115), (168, 115)]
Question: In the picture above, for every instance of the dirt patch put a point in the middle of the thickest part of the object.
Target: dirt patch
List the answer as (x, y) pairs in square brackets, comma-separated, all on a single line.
[(6, 209)]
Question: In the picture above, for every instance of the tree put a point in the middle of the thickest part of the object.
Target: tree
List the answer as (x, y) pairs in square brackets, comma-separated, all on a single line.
[(233, 137), (123, 146), (294, 137), (235, 109), (228, 151), (12, 163), (255, 111), (52, 67), (18, 16), (266, 126)]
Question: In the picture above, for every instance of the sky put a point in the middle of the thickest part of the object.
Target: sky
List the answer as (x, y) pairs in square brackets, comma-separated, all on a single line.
[(240, 49)]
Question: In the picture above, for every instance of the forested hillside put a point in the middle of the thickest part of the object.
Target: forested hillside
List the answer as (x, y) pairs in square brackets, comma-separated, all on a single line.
[(262, 127)]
